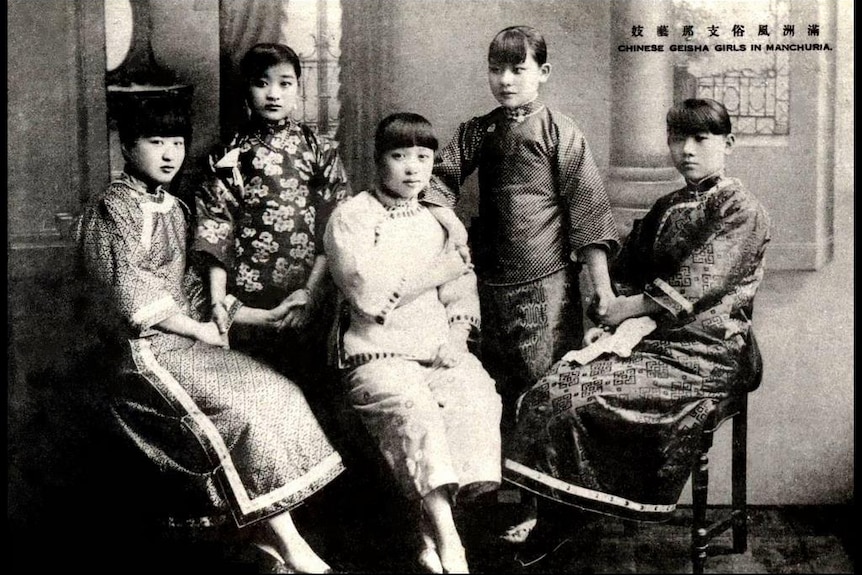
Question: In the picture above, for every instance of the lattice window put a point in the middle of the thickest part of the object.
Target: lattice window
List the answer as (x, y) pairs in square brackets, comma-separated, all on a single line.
[(754, 86), (313, 30)]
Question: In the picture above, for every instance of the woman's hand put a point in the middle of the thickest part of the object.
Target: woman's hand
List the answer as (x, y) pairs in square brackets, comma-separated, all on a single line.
[(450, 353), (622, 308), (463, 250), (220, 316), (594, 334), (295, 310), (210, 333), (601, 301), (456, 233), (455, 348), (615, 312)]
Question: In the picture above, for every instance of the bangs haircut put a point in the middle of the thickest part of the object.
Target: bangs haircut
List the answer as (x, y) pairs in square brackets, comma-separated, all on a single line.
[(262, 57), (512, 46), (698, 115), (403, 130), (165, 117)]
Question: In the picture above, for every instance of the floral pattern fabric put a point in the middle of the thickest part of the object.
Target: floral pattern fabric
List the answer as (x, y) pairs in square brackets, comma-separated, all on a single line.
[(263, 207)]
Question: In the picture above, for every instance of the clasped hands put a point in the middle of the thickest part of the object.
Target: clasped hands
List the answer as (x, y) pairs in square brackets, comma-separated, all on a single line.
[(607, 311), (454, 349), (293, 312)]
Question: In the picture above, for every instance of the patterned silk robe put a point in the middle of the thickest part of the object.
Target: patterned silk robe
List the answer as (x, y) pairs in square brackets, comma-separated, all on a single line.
[(618, 434), (541, 200), (229, 434), (263, 207)]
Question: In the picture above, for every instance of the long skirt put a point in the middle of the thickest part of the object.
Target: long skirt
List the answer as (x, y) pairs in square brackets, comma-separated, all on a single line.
[(619, 435), (233, 436), (526, 328), (434, 426)]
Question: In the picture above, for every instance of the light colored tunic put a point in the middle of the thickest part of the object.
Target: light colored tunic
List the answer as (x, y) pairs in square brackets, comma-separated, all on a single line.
[(435, 426)]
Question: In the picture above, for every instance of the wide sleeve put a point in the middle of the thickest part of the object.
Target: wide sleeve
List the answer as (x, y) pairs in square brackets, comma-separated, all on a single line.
[(330, 185), (367, 280), (114, 256), (217, 203), (721, 258), (582, 190), (454, 163), (626, 264), (460, 297)]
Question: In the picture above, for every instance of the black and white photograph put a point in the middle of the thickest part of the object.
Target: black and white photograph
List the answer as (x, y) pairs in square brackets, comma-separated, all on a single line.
[(430, 286)]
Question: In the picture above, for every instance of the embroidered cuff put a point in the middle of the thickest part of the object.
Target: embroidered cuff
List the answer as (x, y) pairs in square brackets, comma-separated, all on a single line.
[(468, 319), (360, 359), (154, 312), (667, 297), (232, 304)]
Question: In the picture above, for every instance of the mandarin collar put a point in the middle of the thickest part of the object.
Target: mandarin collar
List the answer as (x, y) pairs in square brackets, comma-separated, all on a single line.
[(265, 128), (521, 113), (138, 185), (396, 204), (705, 184)]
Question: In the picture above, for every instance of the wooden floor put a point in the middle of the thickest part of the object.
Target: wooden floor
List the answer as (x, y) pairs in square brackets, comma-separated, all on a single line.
[(90, 525), (811, 539), (781, 540)]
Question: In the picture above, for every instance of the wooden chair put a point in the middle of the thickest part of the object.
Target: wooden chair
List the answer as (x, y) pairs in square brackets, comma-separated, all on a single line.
[(734, 408)]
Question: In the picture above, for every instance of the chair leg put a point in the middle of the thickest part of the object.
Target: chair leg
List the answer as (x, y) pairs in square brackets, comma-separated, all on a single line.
[(739, 480), (699, 493)]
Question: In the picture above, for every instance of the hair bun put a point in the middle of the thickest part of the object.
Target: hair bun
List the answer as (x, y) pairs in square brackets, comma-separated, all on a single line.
[(140, 110)]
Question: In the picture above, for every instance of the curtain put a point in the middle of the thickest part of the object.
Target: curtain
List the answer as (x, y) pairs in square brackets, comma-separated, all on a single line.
[(366, 71), (242, 24)]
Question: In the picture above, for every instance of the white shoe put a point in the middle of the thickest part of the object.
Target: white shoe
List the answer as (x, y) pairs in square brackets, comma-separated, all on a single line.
[(520, 532)]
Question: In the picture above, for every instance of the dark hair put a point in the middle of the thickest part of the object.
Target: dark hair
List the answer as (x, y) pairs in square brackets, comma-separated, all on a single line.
[(262, 57), (403, 130), (511, 46), (697, 115), (140, 116)]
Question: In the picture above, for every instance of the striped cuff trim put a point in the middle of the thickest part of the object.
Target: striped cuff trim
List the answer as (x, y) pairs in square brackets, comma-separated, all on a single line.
[(674, 295), (354, 361), (154, 312), (466, 318), (583, 492)]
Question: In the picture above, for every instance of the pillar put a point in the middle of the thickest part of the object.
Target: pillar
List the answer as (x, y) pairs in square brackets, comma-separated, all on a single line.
[(641, 93)]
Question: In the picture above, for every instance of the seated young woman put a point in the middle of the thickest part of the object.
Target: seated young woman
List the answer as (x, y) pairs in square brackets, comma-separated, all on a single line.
[(618, 434), (231, 436)]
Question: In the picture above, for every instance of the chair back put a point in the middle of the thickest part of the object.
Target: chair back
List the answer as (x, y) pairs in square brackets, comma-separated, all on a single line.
[(755, 364)]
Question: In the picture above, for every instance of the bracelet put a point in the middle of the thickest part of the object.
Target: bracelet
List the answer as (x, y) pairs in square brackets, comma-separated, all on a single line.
[(216, 304)]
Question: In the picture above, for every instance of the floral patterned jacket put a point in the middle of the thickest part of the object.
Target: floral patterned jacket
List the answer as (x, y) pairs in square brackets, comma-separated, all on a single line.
[(263, 207)]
